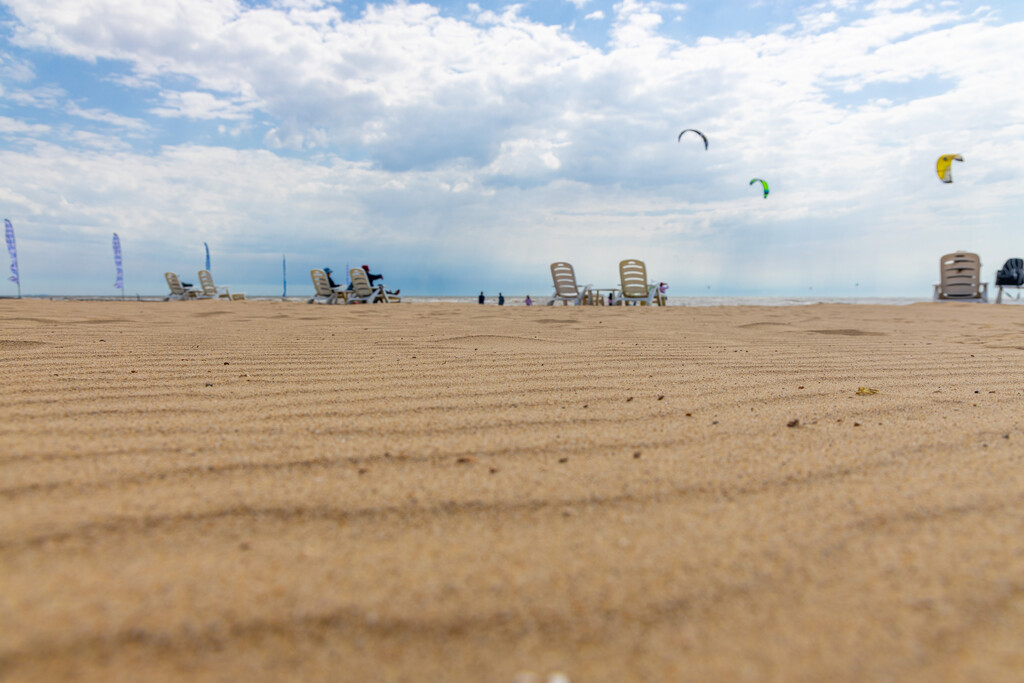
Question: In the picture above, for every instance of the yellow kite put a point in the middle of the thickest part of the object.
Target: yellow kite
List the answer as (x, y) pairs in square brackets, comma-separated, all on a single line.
[(944, 166)]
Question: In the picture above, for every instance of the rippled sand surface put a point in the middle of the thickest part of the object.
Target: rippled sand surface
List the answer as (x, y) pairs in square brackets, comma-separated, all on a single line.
[(272, 490)]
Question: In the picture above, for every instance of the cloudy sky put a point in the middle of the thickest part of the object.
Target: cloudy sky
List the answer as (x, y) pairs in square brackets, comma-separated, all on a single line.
[(460, 146)]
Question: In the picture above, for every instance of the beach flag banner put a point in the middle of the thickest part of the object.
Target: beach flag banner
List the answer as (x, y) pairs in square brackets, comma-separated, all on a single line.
[(284, 277), (117, 264), (207, 255), (13, 251)]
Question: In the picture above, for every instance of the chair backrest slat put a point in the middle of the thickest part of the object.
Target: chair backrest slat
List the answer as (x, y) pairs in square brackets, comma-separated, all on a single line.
[(633, 278), (564, 278), (320, 283), (174, 283), (360, 282), (206, 282), (960, 275)]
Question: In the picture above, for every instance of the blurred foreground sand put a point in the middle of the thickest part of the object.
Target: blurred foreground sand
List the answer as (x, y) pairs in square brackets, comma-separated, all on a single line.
[(270, 490)]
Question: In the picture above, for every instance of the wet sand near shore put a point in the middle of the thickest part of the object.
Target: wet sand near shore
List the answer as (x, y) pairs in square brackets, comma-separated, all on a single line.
[(267, 490)]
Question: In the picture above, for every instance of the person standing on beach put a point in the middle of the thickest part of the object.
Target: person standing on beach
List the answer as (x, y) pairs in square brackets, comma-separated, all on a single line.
[(528, 301), (480, 299), (501, 299)]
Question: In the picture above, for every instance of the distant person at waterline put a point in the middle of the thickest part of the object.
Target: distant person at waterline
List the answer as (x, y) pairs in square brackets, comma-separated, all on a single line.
[(528, 301), (501, 299), (480, 299)]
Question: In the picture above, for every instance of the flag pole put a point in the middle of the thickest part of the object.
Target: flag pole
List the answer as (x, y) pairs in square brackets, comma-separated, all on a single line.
[(12, 249), (118, 265)]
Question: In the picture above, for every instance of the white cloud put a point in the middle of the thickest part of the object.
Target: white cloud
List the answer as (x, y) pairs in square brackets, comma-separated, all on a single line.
[(96, 141), (636, 22), (201, 106), (9, 125), (292, 139), (298, 4), (883, 5), (14, 69), (104, 116), (43, 97), (596, 14), (818, 21), (526, 157)]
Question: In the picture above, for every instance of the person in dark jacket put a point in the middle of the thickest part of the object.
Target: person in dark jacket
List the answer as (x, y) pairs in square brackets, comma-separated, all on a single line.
[(370, 277), (330, 280), (480, 299), (501, 299)]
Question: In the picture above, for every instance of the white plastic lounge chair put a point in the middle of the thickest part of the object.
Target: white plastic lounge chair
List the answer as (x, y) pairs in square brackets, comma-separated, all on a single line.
[(635, 288), (960, 274), (178, 290), (566, 289), (212, 291), (363, 293), (324, 292)]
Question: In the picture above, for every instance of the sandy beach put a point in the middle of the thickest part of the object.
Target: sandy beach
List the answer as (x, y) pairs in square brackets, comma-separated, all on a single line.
[(260, 490)]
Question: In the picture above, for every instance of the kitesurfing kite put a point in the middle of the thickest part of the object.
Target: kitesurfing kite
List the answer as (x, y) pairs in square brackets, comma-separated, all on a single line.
[(692, 130), (944, 166), (764, 186)]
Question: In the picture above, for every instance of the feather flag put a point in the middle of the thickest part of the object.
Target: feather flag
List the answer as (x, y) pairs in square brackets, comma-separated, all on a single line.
[(284, 277), (117, 264), (13, 250), (207, 255)]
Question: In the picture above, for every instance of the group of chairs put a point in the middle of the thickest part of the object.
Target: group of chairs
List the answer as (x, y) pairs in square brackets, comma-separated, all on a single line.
[(960, 281), (633, 287), (206, 290), (362, 292), (960, 278)]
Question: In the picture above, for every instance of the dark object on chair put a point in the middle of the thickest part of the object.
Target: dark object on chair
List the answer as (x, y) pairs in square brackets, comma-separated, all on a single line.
[(1012, 273)]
